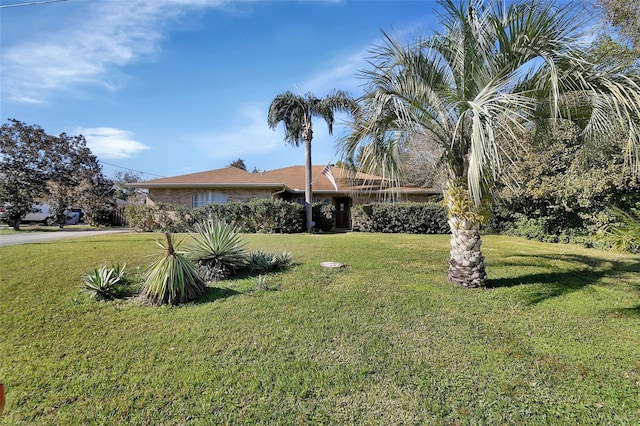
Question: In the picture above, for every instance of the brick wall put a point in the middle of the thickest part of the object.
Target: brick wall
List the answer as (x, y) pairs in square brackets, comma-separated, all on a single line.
[(184, 197)]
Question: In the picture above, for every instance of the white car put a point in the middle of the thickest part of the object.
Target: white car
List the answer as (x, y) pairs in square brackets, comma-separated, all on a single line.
[(42, 214)]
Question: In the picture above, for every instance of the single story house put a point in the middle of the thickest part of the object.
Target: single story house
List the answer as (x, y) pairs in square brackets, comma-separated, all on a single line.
[(233, 184)]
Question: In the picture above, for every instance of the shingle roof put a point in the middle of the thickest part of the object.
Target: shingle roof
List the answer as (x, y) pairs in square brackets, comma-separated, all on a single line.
[(290, 178)]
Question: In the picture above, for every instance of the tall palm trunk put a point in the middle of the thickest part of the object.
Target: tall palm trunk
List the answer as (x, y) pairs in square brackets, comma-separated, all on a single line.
[(308, 193), (466, 263)]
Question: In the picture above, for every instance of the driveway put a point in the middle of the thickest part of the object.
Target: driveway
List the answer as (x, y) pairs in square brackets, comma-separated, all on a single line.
[(39, 237)]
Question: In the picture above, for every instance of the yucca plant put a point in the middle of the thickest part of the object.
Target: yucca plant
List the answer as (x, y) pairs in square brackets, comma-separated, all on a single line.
[(218, 249), (172, 279), (102, 282)]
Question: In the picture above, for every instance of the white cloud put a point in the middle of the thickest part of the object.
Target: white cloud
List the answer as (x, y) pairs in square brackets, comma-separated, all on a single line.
[(104, 35), (342, 75), (107, 142), (250, 135)]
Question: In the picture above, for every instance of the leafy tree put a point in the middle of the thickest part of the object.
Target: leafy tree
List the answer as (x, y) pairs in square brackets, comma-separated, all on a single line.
[(296, 113), (494, 71), (625, 15), (76, 180), (24, 168), (557, 188), (37, 167), (120, 180), (419, 159), (239, 163)]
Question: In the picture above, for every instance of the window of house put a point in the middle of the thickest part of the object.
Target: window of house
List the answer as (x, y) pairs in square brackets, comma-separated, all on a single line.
[(204, 198)]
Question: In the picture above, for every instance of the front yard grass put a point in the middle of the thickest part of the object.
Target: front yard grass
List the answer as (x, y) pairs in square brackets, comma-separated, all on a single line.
[(385, 340)]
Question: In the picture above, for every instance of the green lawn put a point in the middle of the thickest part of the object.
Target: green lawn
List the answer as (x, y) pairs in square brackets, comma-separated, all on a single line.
[(385, 341)]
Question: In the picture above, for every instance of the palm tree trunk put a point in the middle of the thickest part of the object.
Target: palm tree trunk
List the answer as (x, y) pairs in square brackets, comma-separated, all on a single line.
[(466, 263), (308, 193)]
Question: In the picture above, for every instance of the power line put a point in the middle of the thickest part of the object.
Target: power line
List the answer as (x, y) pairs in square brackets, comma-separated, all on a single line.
[(33, 3), (131, 170)]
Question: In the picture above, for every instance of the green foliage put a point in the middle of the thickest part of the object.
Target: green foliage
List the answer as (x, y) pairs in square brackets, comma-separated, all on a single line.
[(218, 249), (172, 279), (625, 15), (557, 190), (268, 216), (24, 168), (323, 216), (141, 217), (158, 217), (105, 283), (57, 170), (624, 235), (258, 215), (411, 218)]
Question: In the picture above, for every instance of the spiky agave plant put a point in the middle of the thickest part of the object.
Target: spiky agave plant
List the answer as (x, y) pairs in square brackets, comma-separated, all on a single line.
[(216, 246), (101, 283), (172, 279)]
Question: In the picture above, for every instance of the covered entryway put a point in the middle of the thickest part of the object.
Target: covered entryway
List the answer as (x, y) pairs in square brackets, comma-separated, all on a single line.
[(343, 212)]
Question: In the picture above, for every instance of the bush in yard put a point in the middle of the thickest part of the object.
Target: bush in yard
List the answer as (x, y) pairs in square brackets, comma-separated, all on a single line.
[(411, 218), (172, 279), (278, 216), (234, 212), (258, 215), (323, 216), (141, 217), (158, 217), (217, 249), (105, 283)]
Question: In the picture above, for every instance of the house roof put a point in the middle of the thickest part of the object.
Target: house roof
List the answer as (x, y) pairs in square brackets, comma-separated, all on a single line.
[(291, 179)]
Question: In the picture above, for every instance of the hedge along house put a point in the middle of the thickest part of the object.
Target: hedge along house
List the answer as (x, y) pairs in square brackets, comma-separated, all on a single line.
[(232, 184)]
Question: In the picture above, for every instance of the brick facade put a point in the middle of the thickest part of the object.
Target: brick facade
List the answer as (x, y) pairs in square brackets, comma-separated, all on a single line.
[(184, 197)]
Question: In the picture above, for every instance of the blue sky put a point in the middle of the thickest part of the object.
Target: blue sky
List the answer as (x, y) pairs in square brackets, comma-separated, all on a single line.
[(170, 87)]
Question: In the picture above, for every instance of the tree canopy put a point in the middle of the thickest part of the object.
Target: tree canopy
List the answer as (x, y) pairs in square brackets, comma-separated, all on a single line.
[(58, 170)]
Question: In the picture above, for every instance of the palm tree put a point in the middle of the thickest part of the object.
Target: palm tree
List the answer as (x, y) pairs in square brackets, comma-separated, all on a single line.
[(296, 112), (495, 71)]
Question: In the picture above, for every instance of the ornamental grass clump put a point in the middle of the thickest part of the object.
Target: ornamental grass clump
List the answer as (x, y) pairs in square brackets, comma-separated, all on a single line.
[(172, 279), (217, 249)]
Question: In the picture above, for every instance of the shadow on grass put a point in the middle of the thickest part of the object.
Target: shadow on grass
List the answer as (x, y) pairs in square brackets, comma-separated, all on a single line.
[(576, 273), (216, 293), (633, 312)]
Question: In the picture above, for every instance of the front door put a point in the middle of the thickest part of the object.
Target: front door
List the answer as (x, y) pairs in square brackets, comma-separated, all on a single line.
[(343, 212)]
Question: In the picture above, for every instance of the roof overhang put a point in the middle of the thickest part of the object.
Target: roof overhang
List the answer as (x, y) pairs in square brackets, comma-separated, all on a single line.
[(206, 185)]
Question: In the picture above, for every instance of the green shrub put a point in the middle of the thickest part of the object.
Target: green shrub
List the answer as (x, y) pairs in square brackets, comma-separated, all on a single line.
[(172, 279), (323, 216), (258, 215), (411, 218), (141, 217), (105, 283)]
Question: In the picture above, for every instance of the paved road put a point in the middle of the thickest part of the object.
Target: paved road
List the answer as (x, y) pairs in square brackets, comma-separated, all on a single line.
[(39, 237)]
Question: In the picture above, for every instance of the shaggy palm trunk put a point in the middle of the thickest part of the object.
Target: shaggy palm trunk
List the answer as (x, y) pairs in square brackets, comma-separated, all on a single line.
[(466, 263)]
